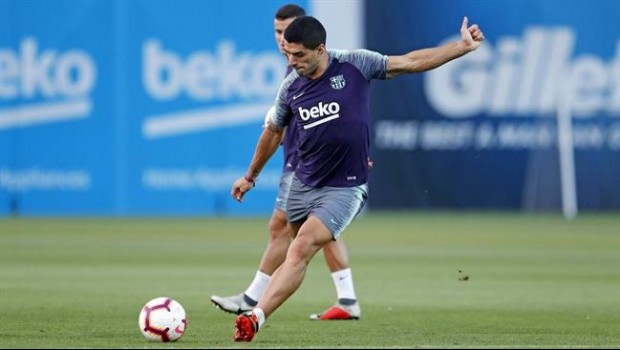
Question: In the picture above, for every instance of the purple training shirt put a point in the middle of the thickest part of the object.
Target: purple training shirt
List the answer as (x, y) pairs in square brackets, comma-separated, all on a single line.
[(331, 114)]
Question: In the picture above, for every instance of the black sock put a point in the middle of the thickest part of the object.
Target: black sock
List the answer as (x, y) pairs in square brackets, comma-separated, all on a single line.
[(346, 302), (249, 300)]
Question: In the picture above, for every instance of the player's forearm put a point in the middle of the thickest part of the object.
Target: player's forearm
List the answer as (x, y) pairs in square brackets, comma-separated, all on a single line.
[(426, 59), (267, 145)]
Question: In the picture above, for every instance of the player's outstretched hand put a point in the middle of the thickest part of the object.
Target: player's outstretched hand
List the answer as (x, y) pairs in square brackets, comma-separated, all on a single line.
[(472, 36)]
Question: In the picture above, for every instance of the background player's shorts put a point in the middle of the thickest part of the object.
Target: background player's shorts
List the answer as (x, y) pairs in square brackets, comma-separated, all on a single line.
[(285, 185), (336, 207)]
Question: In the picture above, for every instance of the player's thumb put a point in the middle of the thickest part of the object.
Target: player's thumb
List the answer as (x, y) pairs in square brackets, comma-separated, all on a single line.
[(464, 25)]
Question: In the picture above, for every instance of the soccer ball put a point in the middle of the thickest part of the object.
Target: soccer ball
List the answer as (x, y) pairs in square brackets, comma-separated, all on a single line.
[(162, 319)]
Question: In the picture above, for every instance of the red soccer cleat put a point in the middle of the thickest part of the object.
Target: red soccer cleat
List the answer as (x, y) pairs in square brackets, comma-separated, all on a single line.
[(246, 327), (338, 313)]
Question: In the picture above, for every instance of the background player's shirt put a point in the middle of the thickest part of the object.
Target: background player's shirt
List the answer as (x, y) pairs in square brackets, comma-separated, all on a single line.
[(331, 116), (289, 142)]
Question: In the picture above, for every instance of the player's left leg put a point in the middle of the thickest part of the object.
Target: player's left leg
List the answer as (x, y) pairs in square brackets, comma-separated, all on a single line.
[(347, 306), (343, 206)]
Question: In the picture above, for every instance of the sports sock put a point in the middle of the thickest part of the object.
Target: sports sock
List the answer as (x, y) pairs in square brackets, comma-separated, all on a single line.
[(260, 314), (259, 284), (343, 280)]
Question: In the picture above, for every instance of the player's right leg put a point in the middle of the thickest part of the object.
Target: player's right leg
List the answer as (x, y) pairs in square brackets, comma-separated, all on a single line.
[(325, 213), (312, 236)]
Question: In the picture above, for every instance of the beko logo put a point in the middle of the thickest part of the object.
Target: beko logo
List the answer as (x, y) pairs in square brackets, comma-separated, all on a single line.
[(327, 112), (246, 82), (50, 84)]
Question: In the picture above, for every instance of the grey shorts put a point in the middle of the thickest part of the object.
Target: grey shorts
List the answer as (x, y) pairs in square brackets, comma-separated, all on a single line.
[(336, 207), (285, 185)]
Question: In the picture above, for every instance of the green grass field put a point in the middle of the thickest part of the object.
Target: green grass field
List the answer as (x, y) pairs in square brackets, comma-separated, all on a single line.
[(533, 281)]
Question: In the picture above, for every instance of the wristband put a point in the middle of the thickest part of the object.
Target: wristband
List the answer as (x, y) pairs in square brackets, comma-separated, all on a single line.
[(250, 180)]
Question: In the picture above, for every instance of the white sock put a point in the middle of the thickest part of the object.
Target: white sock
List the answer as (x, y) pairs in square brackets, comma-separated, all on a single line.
[(343, 280), (258, 286), (260, 314)]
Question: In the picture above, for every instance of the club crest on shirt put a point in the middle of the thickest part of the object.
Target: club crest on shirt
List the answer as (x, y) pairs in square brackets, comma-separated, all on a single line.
[(338, 82)]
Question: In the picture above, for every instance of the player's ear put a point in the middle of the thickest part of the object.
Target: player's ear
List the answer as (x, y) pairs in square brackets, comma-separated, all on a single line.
[(320, 49)]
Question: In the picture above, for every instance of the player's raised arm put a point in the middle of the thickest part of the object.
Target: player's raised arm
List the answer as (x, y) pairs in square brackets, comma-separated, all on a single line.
[(426, 59)]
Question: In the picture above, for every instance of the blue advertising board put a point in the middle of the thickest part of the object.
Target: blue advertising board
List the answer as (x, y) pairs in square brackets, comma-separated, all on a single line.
[(56, 127), (481, 131), (135, 107), (154, 107)]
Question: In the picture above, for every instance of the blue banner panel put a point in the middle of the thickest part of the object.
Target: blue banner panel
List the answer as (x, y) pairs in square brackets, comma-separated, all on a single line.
[(199, 86), (56, 120), (135, 107), (481, 131)]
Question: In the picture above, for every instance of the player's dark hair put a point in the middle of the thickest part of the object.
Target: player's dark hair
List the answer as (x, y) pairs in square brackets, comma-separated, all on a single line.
[(289, 11), (306, 30)]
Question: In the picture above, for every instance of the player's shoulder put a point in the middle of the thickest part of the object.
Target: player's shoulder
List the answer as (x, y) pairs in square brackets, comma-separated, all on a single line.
[(288, 83), (290, 79), (351, 55)]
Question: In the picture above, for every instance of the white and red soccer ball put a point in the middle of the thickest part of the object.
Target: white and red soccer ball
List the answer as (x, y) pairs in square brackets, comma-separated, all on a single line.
[(162, 319)]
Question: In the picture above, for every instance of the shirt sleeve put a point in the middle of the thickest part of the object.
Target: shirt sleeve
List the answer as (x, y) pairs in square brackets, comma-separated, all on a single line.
[(283, 113), (371, 64)]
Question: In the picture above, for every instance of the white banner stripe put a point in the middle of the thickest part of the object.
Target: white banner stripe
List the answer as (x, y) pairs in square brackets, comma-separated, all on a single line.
[(44, 113), (171, 124)]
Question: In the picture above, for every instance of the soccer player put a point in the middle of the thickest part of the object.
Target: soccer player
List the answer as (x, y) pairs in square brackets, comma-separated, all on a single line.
[(336, 257), (327, 96)]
